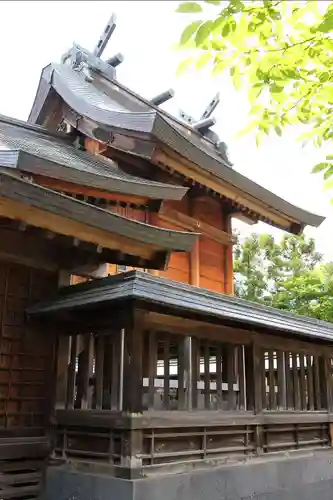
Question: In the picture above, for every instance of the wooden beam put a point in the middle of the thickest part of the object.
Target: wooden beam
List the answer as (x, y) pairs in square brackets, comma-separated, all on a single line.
[(201, 329), (60, 224), (190, 223), (33, 248), (93, 146), (69, 187), (166, 157), (21, 248)]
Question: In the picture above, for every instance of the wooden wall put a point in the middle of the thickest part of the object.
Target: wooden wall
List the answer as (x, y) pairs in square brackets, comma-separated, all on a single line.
[(209, 265), (25, 353)]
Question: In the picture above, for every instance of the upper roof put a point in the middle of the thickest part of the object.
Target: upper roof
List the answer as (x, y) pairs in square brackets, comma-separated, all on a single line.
[(105, 292), (102, 107), (33, 149)]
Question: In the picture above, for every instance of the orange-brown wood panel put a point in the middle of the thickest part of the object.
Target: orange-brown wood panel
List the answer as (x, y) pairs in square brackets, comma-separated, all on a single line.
[(212, 254), (179, 268), (181, 205), (213, 286), (209, 210), (209, 265), (130, 213)]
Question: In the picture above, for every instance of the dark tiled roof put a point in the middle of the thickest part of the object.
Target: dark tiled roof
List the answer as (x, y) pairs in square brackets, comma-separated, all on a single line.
[(182, 298), (31, 148), (110, 104)]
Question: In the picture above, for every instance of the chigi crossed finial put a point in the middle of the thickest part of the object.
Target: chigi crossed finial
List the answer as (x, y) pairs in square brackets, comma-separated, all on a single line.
[(83, 61), (206, 120)]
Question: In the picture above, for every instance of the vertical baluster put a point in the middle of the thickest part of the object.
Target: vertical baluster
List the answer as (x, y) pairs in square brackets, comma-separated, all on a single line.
[(99, 369), (72, 374)]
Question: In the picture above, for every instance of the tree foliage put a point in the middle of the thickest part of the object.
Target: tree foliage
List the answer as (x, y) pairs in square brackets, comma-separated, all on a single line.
[(289, 274), (282, 51)]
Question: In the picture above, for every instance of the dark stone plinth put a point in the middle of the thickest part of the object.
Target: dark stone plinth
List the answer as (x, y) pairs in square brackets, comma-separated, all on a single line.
[(305, 477)]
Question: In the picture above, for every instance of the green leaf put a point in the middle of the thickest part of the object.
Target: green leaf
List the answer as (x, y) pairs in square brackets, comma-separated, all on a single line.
[(278, 130), (236, 77), (203, 60), (189, 8), (213, 2), (189, 31), (203, 33), (226, 30), (328, 173), (275, 89), (233, 25), (328, 185), (184, 65), (319, 167), (323, 77)]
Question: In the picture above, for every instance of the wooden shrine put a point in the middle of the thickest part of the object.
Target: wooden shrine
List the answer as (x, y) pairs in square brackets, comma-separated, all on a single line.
[(125, 358)]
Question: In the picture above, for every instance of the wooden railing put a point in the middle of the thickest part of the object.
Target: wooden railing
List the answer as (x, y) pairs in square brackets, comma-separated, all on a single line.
[(132, 447), (196, 400)]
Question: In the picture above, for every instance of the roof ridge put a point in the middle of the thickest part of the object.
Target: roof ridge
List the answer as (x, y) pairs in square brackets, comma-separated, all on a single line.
[(163, 112)]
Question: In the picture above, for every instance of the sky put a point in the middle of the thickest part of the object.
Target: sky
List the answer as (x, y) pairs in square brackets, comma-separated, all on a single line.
[(33, 34)]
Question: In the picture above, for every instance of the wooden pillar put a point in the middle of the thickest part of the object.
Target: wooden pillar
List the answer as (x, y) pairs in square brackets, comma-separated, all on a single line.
[(194, 254), (188, 372), (63, 355), (281, 380), (331, 433), (228, 261), (255, 376), (132, 447), (132, 370)]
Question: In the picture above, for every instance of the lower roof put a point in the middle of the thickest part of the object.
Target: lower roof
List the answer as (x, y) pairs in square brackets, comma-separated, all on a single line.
[(136, 285), (42, 207)]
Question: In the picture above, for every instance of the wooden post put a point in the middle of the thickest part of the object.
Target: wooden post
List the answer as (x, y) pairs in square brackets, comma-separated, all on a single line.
[(72, 374), (331, 434), (132, 372), (228, 267), (132, 447), (166, 365), (297, 398), (281, 377), (62, 371), (258, 366), (99, 370), (195, 362), (310, 382), (325, 383), (194, 255), (63, 354), (188, 372), (152, 367)]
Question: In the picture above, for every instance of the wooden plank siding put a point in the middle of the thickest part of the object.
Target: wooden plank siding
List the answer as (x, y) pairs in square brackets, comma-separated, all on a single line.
[(26, 354), (209, 265)]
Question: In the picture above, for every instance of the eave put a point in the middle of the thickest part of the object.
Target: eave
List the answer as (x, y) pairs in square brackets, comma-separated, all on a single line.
[(180, 299), (42, 153), (165, 141), (136, 242)]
